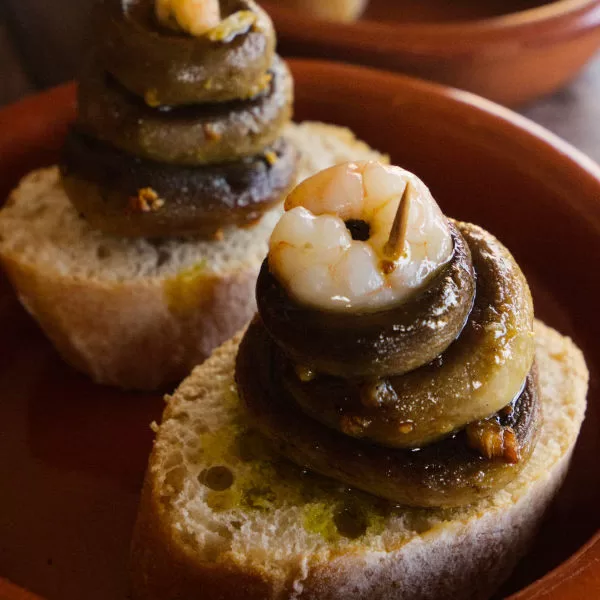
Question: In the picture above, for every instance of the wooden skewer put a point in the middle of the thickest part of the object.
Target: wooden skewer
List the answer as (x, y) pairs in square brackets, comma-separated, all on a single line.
[(394, 247)]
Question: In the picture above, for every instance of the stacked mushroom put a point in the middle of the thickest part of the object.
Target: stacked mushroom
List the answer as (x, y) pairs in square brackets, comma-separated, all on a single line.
[(180, 118), (394, 347)]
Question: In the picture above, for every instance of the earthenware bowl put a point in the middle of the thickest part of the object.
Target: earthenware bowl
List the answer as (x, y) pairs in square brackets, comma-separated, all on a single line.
[(510, 51), (72, 454)]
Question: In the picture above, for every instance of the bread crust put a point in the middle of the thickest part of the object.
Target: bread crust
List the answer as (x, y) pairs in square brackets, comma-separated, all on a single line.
[(164, 568), (465, 557), (467, 561), (125, 333)]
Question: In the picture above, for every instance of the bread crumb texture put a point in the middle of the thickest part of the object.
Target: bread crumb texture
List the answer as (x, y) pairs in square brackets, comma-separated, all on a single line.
[(219, 495), (41, 228)]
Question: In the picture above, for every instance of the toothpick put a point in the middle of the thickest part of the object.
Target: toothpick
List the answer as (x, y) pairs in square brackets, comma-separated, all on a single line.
[(394, 247)]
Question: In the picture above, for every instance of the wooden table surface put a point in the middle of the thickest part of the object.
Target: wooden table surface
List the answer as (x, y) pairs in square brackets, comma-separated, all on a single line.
[(40, 46)]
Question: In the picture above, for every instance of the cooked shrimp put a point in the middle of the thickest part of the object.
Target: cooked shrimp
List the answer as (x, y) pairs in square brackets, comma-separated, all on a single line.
[(360, 236), (195, 17)]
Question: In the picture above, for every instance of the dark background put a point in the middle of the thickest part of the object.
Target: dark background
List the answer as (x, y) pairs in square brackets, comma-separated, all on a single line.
[(41, 43)]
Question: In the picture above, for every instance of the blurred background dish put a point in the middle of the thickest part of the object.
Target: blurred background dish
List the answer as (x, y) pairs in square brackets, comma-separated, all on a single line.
[(332, 10), (408, 11), (511, 51), (41, 44)]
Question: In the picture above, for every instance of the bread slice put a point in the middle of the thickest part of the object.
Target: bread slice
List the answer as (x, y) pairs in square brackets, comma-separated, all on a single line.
[(137, 313), (273, 533)]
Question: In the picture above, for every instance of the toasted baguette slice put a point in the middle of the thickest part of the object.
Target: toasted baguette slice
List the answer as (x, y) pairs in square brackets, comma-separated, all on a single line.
[(273, 533), (137, 313)]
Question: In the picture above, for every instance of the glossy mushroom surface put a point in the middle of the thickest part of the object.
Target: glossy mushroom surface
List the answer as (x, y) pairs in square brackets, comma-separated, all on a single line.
[(376, 344), (190, 135), (448, 473), (124, 195), (476, 376), (178, 68)]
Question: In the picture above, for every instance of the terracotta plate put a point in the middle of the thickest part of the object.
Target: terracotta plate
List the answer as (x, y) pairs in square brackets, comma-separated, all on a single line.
[(72, 455), (511, 51)]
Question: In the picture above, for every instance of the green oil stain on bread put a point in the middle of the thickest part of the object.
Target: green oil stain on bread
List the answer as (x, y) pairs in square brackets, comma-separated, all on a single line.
[(259, 480), (184, 290)]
